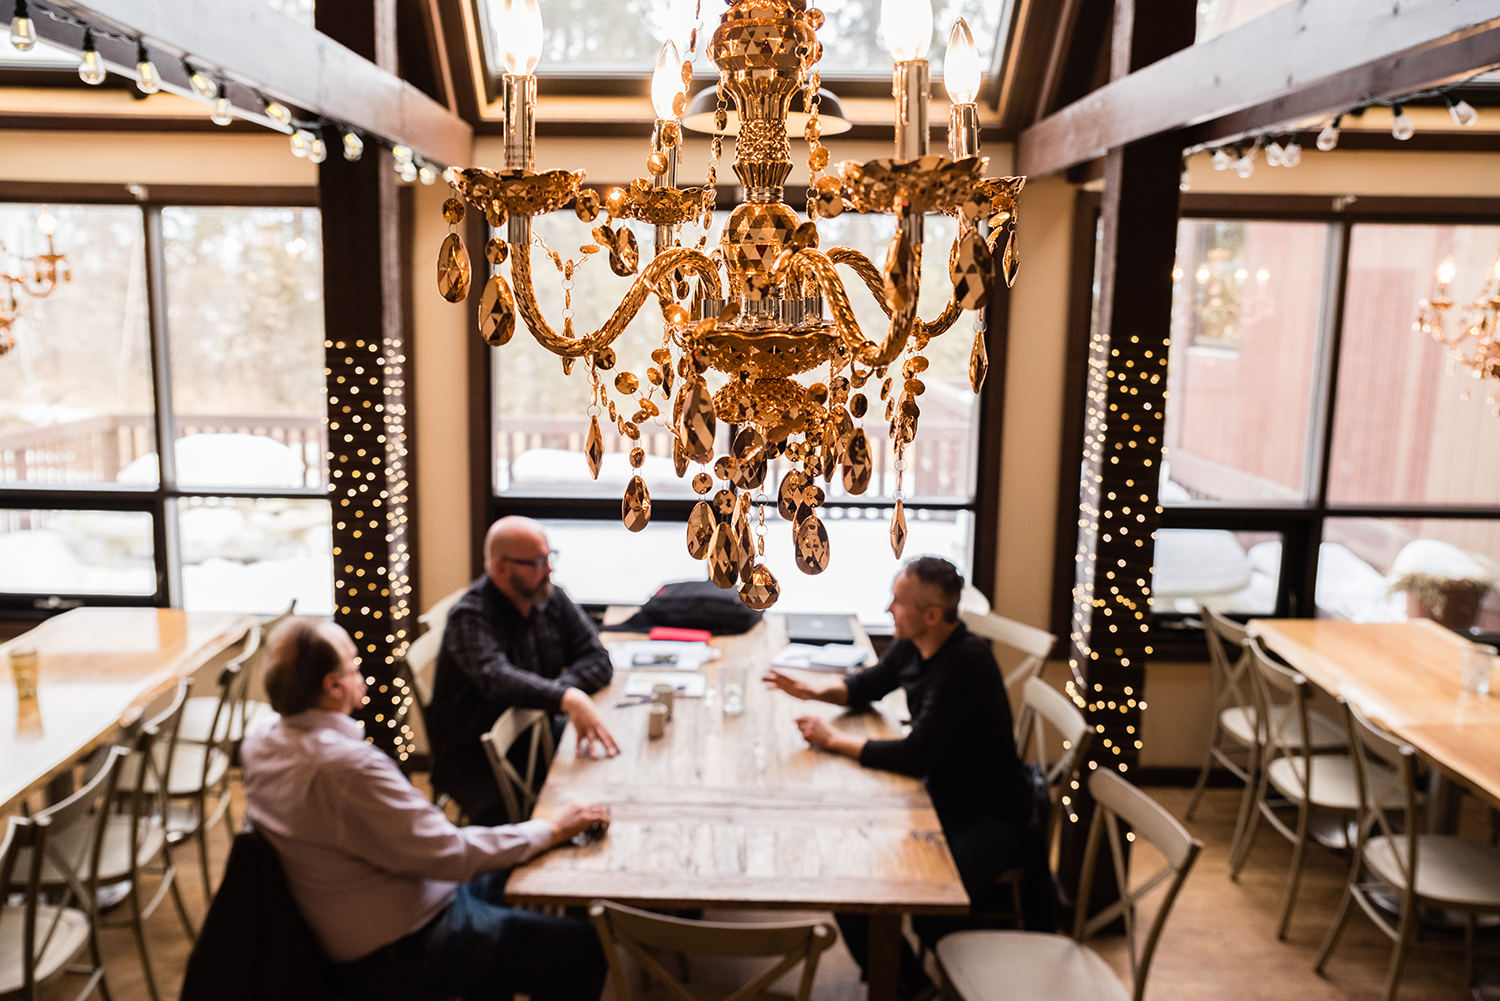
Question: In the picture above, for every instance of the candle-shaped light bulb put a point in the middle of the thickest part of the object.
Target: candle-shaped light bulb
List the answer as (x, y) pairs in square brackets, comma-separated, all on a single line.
[(147, 80), (1329, 137), (354, 146), (223, 114), (907, 25), (1401, 127), (22, 29), (961, 65), (520, 30), (47, 223), (91, 67), (666, 81), (1446, 271), (1463, 113)]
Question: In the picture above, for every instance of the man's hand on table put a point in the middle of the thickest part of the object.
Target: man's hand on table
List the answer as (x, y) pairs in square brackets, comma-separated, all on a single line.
[(819, 734), (575, 818), (584, 716), (820, 689)]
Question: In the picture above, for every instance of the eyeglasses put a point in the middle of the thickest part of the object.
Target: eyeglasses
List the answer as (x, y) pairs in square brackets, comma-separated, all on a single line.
[(540, 563)]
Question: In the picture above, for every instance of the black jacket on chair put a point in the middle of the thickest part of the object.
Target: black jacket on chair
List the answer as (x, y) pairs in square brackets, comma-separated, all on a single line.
[(254, 943)]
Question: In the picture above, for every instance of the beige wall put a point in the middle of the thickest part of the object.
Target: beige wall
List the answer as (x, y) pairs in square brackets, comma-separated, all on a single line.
[(151, 158)]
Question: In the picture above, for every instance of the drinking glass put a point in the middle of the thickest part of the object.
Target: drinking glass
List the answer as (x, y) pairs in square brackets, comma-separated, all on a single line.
[(1479, 663), (23, 664), (732, 680)]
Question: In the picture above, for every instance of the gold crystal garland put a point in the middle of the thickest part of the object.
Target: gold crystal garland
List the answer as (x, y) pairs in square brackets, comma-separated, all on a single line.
[(764, 307), (36, 278)]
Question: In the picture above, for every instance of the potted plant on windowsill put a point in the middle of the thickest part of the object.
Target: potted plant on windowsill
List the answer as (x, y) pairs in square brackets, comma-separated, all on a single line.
[(1441, 582)]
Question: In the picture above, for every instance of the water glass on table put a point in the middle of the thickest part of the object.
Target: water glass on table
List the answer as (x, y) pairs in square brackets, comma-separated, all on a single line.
[(732, 681), (23, 664), (1479, 664)]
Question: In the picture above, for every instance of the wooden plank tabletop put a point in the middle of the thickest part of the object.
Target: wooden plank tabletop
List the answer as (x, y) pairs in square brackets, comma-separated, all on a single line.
[(1406, 677), (95, 665), (738, 811)]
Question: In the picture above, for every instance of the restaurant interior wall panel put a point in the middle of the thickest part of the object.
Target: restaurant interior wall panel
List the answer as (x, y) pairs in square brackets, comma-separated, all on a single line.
[(261, 160), (1358, 172)]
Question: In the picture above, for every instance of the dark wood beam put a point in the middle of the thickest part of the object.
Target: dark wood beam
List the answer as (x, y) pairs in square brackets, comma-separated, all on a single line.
[(464, 66), (1025, 63), (260, 48), (1335, 46), (1085, 63), (1062, 45)]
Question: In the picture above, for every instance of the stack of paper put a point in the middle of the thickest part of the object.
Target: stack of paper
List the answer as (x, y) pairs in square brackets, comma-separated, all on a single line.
[(836, 658), (688, 686), (661, 655)]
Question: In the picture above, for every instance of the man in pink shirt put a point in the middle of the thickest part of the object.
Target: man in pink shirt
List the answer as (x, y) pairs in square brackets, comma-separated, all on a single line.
[(406, 904)]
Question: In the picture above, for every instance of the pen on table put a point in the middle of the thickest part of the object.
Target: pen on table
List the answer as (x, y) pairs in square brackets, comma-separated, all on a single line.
[(634, 700)]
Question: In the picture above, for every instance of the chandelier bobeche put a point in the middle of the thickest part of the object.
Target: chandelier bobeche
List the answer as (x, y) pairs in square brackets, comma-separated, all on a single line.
[(767, 304)]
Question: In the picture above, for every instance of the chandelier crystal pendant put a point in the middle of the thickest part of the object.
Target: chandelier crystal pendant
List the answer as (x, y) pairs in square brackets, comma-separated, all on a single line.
[(767, 305), (22, 281), (1454, 326)]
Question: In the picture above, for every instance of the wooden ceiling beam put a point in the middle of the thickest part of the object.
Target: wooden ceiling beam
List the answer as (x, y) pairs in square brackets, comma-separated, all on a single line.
[(1328, 48), (259, 48)]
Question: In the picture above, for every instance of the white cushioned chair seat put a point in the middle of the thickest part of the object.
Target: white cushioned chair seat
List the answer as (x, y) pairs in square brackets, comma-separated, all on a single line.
[(72, 935), (1450, 869), (1240, 722), (76, 843), (198, 716), (187, 770), (1333, 783), (996, 965)]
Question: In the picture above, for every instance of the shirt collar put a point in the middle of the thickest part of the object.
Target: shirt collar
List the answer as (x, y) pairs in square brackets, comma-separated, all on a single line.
[(325, 719)]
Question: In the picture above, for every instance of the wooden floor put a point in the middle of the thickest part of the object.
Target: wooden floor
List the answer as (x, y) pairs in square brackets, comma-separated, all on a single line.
[(1218, 944)]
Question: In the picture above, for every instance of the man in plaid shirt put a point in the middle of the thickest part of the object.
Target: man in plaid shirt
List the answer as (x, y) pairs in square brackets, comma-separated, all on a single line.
[(512, 640)]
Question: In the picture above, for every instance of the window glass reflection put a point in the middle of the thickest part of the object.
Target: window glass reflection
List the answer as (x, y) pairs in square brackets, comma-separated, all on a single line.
[(1232, 572), (76, 552), (256, 555)]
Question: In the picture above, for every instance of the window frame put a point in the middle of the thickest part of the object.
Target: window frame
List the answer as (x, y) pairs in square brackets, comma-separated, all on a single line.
[(1299, 523), (486, 506), (161, 501)]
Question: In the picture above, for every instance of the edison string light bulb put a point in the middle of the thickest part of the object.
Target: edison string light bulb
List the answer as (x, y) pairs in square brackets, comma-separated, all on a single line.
[(961, 65), (1401, 127), (402, 154), (1221, 160), (22, 29), (147, 80), (91, 68), (1463, 114), (223, 114), (666, 81), (277, 112), (1273, 154), (1291, 155), (354, 146), (907, 25), (299, 143), (203, 84), (1329, 137), (427, 174), (317, 152), (521, 29)]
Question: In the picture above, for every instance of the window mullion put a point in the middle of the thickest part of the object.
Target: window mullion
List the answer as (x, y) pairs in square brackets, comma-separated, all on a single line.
[(168, 566)]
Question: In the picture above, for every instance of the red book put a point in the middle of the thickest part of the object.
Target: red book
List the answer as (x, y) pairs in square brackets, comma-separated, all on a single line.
[(681, 635)]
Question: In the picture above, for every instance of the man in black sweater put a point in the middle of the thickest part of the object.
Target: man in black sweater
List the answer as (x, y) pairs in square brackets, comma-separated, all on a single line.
[(961, 742)]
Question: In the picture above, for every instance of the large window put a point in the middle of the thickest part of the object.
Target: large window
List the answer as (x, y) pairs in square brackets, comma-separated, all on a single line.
[(1322, 454), (538, 426), (199, 326)]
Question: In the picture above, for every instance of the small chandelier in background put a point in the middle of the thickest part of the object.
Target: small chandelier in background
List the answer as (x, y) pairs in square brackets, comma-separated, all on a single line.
[(766, 304), (22, 280), (1479, 321)]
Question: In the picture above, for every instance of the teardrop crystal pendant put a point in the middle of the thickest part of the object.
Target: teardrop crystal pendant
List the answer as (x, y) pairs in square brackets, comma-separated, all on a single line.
[(679, 458), (593, 448), (497, 313), (721, 563), (744, 551), (762, 589), (898, 531), (900, 266), (699, 425), (810, 541), (971, 271), (979, 361), (635, 509), (789, 494), (453, 269), (700, 530), (857, 464), (1011, 262)]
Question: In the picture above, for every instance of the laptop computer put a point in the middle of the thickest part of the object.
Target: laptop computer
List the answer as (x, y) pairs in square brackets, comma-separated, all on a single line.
[(819, 629)]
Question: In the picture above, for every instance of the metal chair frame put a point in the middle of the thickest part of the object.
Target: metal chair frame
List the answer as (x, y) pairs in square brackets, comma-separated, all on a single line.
[(1234, 690), (519, 791)]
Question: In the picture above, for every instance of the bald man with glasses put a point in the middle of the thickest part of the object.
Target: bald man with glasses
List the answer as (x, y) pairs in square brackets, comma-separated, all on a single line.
[(513, 640)]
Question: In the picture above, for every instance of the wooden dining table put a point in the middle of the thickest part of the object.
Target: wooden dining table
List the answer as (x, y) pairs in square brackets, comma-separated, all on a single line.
[(97, 667), (738, 812), (1406, 677)]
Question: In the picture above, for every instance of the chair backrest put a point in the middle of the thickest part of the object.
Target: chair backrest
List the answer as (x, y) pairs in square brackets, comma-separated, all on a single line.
[(27, 835), (1035, 643), (1042, 704), (1382, 765), (625, 928), (1281, 697), (436, 617), (1116, 800), (519, 791), (90, 805), (421, 657), (1233, 688), (165, 726)]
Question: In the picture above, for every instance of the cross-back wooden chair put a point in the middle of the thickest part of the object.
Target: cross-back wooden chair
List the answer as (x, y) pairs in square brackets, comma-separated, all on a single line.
[(436, 617), (54, 934), (1393, 857), (1035, 966), (625, 929), (1035, 643), (1235, 741), (519, 791)]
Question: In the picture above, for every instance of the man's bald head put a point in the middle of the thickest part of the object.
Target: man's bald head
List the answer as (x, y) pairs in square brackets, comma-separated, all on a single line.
[(515, 560), (512, 534)]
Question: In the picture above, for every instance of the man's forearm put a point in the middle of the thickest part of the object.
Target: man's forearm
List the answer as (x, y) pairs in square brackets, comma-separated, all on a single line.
[(846, 744), (836, 694)]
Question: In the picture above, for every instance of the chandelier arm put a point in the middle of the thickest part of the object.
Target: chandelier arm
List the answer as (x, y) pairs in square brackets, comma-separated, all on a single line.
[(866, 269), (941, 323), (566, 345), (864, 349)]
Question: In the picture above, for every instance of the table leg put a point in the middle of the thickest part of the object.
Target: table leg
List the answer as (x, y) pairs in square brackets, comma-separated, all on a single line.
[(884, 971)]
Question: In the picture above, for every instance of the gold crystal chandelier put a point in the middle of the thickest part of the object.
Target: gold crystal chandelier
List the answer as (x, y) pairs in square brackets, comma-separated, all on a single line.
[(23, 280), (1454, 326), (767, 305)]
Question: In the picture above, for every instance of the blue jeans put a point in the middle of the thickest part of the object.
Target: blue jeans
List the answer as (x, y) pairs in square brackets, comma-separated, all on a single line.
[(477, 948)]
